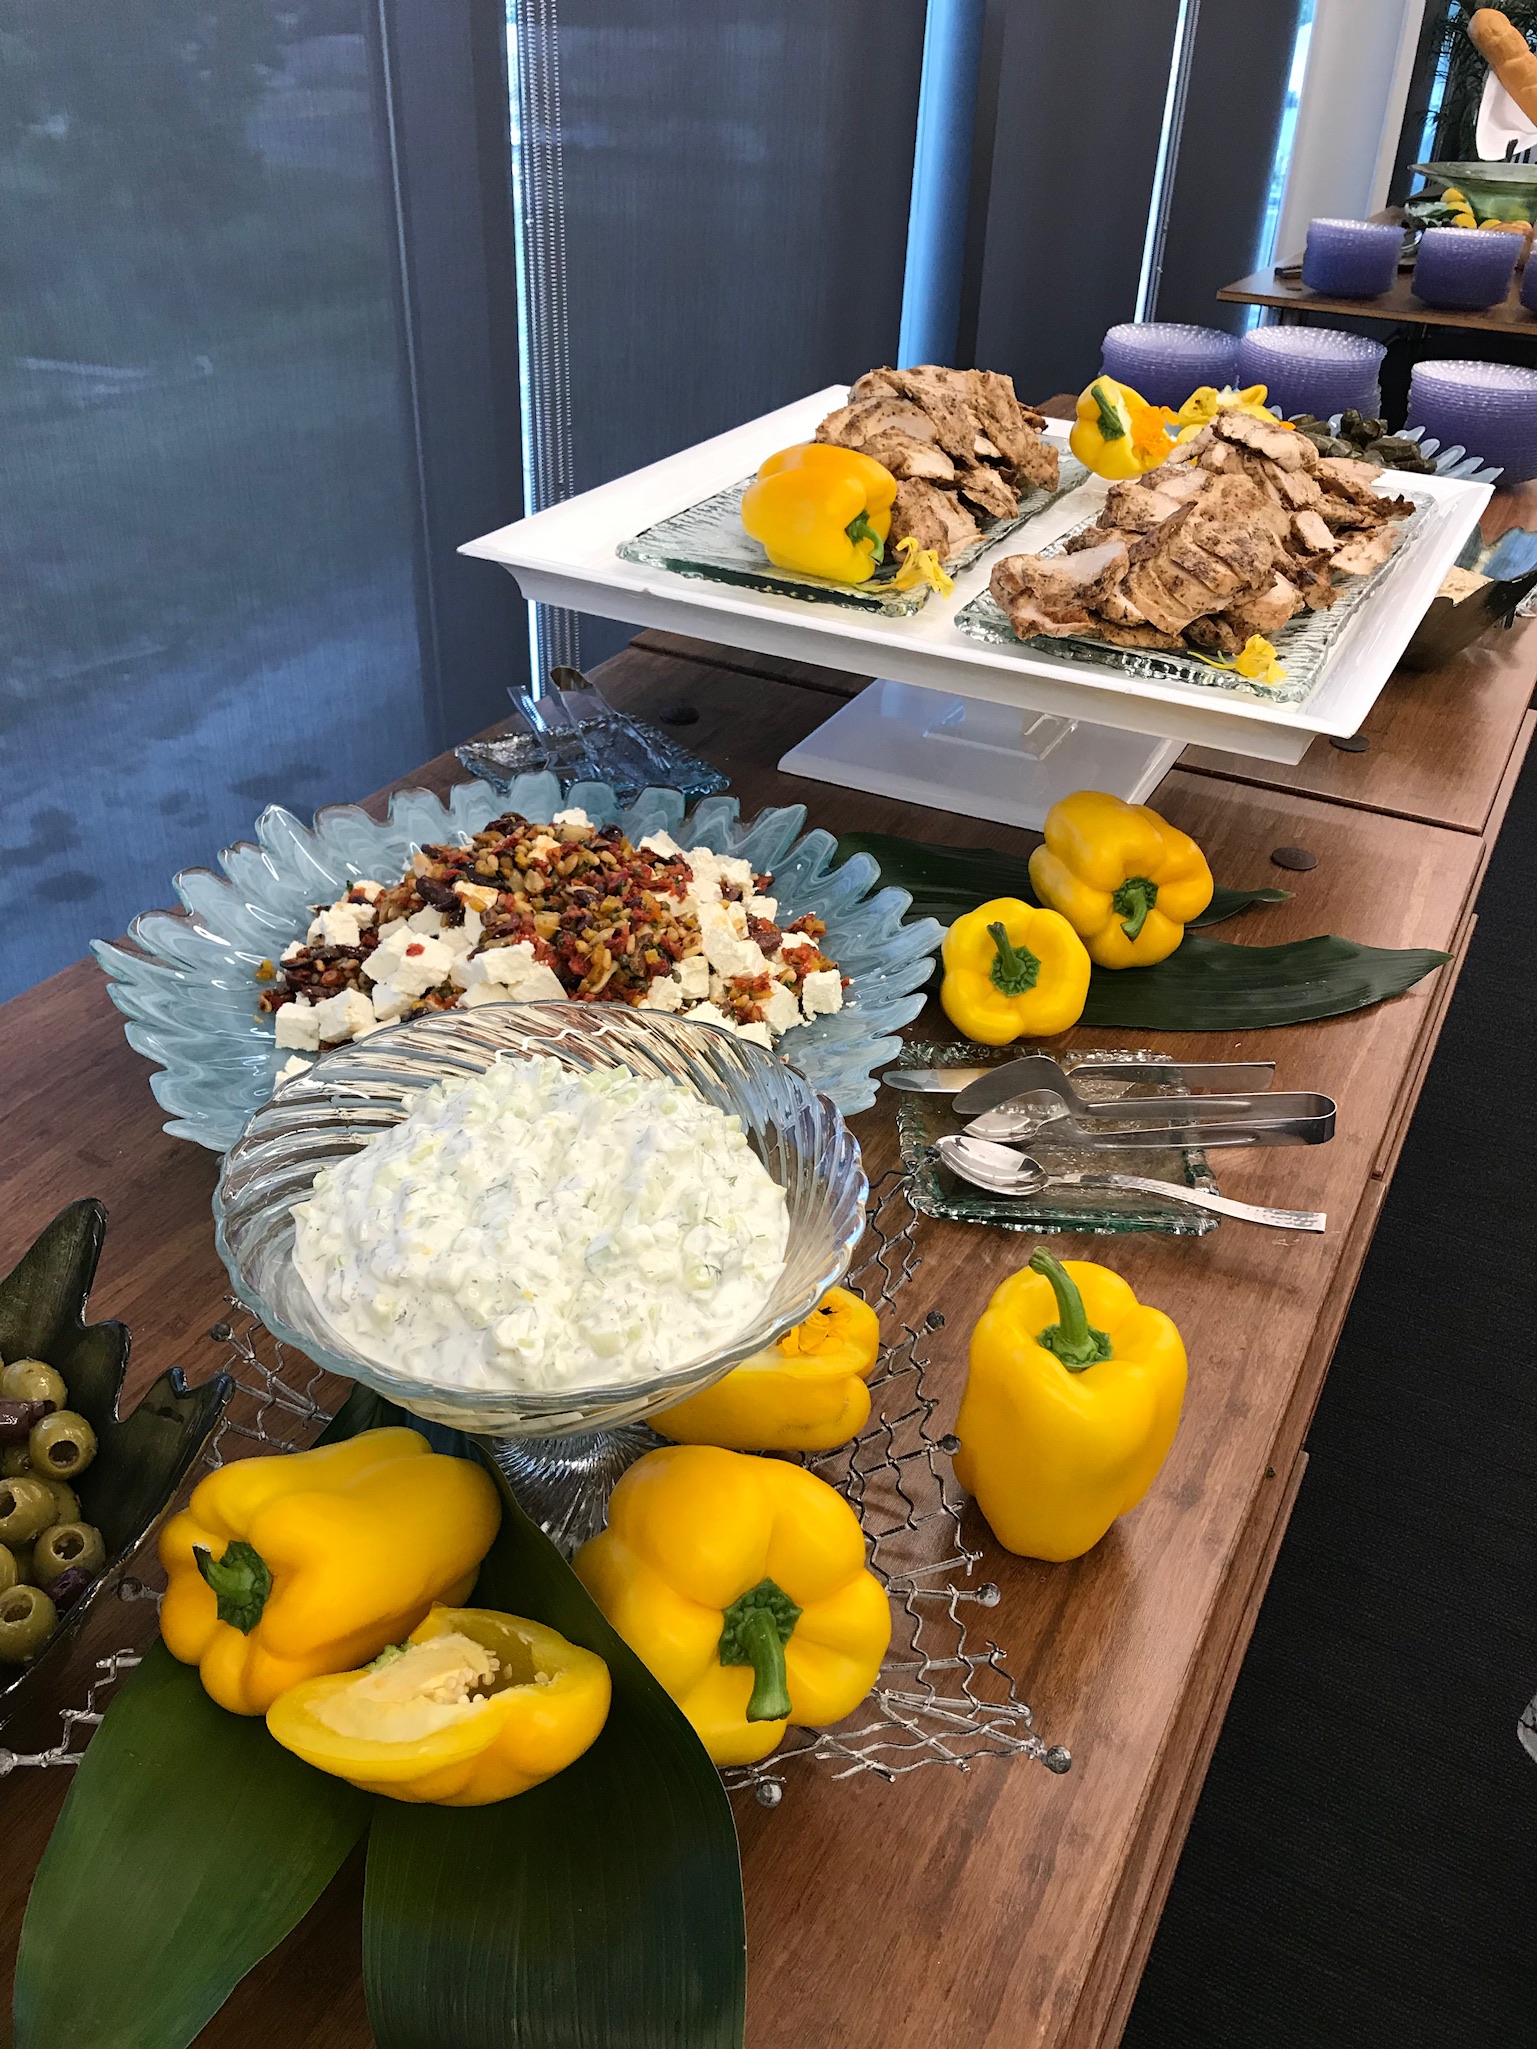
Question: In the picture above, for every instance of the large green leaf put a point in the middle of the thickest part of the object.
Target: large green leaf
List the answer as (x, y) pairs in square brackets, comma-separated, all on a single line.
[(1207, 986), (141, 1458), (946, 882), (602, 1910), (188, 1847)]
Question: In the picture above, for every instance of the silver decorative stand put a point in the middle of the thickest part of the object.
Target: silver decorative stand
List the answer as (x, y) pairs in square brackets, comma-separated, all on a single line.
[(944, 1694)]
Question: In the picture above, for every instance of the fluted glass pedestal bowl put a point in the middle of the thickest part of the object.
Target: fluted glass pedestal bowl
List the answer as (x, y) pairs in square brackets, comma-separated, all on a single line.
[(361, 1089)]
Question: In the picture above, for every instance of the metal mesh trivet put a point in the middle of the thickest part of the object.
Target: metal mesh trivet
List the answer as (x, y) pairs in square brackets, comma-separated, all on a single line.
[(944, 1694)]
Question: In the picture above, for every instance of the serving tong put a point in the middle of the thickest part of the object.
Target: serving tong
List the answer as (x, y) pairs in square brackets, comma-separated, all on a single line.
[(999, 1170), (1228, 1103)]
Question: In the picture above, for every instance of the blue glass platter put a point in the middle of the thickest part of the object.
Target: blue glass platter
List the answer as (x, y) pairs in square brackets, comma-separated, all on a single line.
[(187, 983)]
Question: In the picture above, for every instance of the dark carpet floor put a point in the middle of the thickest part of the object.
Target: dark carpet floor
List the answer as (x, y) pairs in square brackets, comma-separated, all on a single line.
[(1362, 1868)]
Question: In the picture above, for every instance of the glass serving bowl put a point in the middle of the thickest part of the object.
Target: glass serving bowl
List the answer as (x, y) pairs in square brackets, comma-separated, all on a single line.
[(359, 1090)]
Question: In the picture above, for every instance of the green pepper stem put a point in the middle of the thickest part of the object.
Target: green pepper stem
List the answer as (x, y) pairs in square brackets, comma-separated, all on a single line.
[(1132, 902), (1072, 1338), (1109, 418), (860, 529), (758, 1625), (1015, 968), (240, 1582)]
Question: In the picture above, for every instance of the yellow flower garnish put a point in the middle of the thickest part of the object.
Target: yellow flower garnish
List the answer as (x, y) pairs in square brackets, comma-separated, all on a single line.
[(1257, 662), (922, 565)]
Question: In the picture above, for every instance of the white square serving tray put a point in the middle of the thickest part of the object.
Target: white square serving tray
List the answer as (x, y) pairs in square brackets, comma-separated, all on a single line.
[(568, 555)]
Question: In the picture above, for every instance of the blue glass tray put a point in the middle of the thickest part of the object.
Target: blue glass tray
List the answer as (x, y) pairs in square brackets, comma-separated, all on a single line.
[(187, 983)]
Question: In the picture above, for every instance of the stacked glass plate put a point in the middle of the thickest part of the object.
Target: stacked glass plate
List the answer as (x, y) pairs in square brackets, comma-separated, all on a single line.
[(1488, 406), (1166, 360), (1312, 370)]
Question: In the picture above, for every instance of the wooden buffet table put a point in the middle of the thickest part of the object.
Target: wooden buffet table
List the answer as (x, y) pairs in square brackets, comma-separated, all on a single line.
[(1005, 1907)]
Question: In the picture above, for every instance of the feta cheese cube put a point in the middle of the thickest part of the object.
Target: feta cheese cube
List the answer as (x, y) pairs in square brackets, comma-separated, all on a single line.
[(729, 869), (725, 949), (476, 896), (339, 926), (389, 1002), (790, 940), (291, 1069), (665, 993), (704, 872), (394, 938), (463, 938), (822, 993), (661, 843), (511, 975), (736, 914), (428, 920), (780, 1008), (292, 951), (298, 1027), (759, 1034), (764, 907), (343, 1016), (390, 927), (707, 1013), (693, 973), (423, 963), (371, 890), (573, 823)]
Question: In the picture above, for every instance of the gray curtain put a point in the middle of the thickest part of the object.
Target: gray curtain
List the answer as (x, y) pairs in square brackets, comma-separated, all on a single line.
[(1243, 52), (1068, 125), (735, 183)]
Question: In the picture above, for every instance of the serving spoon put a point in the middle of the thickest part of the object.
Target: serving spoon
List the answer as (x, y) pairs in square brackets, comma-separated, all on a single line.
[(1001, 1171)]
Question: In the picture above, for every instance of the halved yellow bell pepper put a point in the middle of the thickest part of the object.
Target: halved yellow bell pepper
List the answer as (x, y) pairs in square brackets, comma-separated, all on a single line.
[(1117, 434), (822, 510), (1206, 401), (475, 1706), (806, 1393), (280, 1569), (1126, 880), (740, 1583), (1012, 972), (1072, 1400)]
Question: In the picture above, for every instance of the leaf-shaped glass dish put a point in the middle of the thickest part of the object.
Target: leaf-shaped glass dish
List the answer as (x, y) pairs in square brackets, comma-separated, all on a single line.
[(141, 1458), (188, 988), (1303, 643), (936, 1192), (708, 540)]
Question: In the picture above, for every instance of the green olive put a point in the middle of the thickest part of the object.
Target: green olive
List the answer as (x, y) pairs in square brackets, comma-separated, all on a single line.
[(15, 1459), (62, 1445), (66, 1499), (29, 1380), (64, 1545), (27, 1619), (10, 1571), (26, 1506)]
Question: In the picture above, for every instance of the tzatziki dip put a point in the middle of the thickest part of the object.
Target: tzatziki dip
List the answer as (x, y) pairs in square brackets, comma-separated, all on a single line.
[(538, 1227)]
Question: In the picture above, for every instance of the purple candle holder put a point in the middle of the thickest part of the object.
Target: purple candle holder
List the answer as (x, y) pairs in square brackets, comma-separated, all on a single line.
[(1312, 369), (1465, 268), (1166, 360), (1351, 259), (1490, 409)]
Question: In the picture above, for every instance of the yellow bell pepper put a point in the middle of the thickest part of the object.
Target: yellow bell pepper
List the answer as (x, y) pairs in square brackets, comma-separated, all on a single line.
[(1126, 881), (1117, 433), (474, 1706), (1012, 972), (1072, 1400), (741, 1583), (1206, 401), (806, 1393), (280, 1569), (822, 510)]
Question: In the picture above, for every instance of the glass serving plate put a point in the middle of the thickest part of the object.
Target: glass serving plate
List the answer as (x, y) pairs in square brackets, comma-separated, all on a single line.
[(187, 983), (708, 540), (1303, 643), (924, 1119)]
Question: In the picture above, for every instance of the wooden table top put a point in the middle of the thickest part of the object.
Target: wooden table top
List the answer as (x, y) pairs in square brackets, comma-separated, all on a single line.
[(1006, 1906), (1268, 288)]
